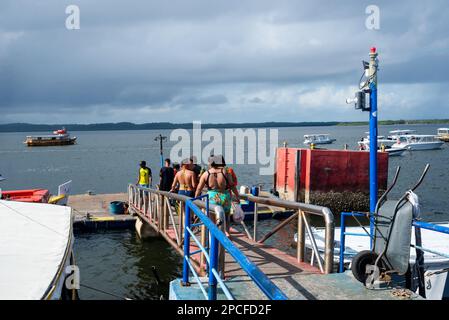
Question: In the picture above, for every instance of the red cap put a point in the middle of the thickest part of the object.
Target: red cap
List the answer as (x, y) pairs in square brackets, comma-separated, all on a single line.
[(373, 50)]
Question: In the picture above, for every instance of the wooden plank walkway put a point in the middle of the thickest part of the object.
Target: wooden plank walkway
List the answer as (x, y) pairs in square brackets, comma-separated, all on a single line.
[(271, 261)]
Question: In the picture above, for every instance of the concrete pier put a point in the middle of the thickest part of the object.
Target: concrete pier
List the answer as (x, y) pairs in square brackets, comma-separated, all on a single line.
[(92, 212)]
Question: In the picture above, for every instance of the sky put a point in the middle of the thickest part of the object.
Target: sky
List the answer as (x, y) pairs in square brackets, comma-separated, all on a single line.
[(219, 61)]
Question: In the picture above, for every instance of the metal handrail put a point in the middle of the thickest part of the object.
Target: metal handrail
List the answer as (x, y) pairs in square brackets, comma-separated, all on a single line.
[(218, 237), (320, 211), (303, 225), (432, 227)]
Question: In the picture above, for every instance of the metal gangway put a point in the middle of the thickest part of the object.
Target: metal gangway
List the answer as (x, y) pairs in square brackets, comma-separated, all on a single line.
[(195, 229)]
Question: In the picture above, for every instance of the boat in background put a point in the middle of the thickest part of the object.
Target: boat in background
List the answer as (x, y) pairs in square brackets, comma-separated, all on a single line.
[(38, 195), (396, 134), (36, 242), (418, 142), (381, 140), (32, 195), (318, 139), (443, 134), (58, 138)]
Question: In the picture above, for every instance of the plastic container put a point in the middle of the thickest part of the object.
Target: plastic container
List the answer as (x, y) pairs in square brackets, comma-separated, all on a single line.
[(255, 191), (116, 207)]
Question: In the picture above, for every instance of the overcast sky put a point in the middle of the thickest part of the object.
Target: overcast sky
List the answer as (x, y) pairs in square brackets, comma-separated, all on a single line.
[(218, 61)]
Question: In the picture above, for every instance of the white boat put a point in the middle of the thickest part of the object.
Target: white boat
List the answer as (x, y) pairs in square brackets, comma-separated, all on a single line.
[(318, 139), (395, 152), (35, 249), (436, 267), (418, 142), (443, 134), (381, 140), (395, 134), (387, 144)]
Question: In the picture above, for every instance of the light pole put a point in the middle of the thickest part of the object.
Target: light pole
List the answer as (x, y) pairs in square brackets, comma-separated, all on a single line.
[(370, 86), (161, 138)]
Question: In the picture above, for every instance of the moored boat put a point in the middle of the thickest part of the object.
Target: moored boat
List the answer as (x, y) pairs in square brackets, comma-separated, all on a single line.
[(318, 139), (31, 195), (443, 134), (418, 142), (40, 237), (58, 138)]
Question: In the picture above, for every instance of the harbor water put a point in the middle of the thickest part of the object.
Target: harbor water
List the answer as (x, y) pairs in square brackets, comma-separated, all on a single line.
[(106, 161)]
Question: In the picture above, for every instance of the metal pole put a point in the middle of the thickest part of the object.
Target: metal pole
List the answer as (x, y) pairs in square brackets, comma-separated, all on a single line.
[(342, 242), (279, 227), (419, 262), (213, 254), (162, 151), (255, 222), (185, 269), (161, 138), (373, 138), (300, 239)]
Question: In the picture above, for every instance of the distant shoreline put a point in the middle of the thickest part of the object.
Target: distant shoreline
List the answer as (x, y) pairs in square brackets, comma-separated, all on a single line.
[(28, 127)]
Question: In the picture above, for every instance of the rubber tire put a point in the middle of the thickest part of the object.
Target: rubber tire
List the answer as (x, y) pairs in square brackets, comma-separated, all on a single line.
[(359, 263)]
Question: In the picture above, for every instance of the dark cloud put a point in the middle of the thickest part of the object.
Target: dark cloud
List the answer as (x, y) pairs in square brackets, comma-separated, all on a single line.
[(260, 59)]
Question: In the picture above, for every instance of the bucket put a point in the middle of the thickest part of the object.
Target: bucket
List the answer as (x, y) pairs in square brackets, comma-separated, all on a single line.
[(116, 207), (255, 191)]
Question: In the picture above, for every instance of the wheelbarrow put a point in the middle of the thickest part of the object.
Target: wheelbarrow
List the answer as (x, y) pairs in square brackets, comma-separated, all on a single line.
[(390, 252)]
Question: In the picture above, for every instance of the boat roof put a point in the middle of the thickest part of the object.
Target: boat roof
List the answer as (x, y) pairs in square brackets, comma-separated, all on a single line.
[(35, 240), (419, 136), (316, 134), (447, 129), (402, 131), (50, 136)]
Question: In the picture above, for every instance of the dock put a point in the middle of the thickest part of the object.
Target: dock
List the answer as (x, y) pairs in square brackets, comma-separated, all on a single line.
[(297, 278), (91, 212), (251, 270)]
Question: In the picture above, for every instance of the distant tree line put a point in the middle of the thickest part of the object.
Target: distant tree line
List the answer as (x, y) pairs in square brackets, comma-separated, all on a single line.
[(27, 127)]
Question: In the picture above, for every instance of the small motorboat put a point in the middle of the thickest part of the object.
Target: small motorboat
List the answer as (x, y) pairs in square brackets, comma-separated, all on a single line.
[(381, 140), (32, 195), (318, 139), (392, 152), (418, 142), (36, 243), (443, 134), (58, 138)]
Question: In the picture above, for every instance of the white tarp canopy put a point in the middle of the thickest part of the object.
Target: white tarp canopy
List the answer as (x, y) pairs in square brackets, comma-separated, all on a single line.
[(34, 241)]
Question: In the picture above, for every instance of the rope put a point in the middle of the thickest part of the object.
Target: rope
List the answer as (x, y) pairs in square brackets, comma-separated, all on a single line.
[(105, 292)]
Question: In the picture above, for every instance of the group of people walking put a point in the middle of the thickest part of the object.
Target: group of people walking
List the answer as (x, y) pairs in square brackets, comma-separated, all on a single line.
[(190, 179)]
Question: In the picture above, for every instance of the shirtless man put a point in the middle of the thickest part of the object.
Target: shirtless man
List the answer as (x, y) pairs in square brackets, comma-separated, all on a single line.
[(186, 180)]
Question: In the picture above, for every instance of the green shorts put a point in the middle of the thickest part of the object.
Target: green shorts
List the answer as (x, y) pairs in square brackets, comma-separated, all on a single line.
[(222, 199)]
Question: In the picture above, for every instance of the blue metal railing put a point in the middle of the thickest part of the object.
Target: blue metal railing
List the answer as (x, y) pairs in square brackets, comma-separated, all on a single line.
[(343, 234), (417, 224), (432, 227), (211, 254)]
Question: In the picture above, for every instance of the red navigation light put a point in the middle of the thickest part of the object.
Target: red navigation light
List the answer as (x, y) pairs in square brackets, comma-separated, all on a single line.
[(373, 50)]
